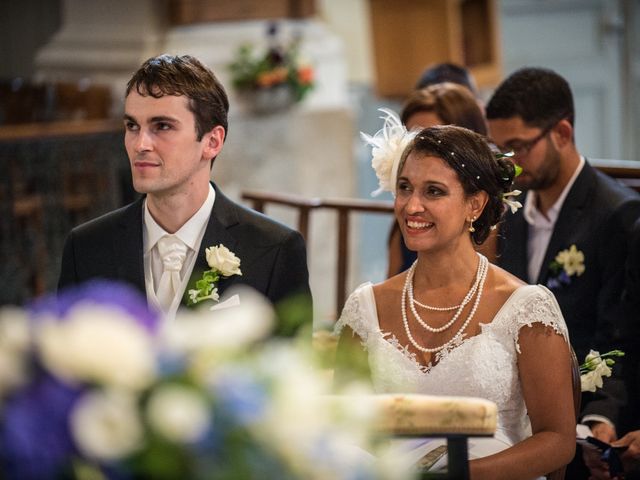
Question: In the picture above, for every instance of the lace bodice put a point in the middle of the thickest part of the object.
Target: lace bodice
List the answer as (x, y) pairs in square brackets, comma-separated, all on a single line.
[(484, 365)]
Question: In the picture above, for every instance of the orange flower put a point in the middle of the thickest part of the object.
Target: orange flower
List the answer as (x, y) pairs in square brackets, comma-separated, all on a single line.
[(305, 75), (272, 77)]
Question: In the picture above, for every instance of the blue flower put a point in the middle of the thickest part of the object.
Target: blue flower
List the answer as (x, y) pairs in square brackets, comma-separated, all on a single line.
[(101, 292), (564, 278), (241, 395), (553, 283), (35, 442)]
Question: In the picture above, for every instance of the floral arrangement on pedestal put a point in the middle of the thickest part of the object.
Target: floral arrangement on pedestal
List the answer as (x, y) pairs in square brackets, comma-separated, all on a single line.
[(275, 79), (94, 386)]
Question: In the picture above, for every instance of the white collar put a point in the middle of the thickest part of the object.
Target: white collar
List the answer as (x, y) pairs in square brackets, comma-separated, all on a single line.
[(189, 233), (530, 211)]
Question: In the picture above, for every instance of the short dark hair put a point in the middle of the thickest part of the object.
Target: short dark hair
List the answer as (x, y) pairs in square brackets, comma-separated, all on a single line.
[(452, 102), (185, 75), (538, 95), (475, 164), (447, 72)]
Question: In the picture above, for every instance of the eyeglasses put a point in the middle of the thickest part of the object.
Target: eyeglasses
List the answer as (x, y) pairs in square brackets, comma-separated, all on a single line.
[(522, 148)]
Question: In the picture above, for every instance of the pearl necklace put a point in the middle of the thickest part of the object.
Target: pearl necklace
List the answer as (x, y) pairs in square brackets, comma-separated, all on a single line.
[(483, 268)]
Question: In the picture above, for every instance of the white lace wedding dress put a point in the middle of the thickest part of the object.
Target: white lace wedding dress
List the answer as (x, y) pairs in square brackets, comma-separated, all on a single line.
[(484, 365)]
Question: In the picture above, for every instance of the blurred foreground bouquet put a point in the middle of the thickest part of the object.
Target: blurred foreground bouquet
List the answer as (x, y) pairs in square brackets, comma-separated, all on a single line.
[(274, 79), (93, 386)]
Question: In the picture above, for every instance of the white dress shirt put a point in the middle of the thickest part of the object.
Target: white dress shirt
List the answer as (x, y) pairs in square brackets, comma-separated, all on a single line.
[(190, 234), (541, 226)]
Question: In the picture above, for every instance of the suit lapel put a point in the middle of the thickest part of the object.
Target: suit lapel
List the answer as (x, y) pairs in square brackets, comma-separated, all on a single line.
[(128, 250), (571, 215), (217, 232)]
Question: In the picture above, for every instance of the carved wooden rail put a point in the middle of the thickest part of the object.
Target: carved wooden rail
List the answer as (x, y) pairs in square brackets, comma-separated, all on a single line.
[(342, 206), (626, 172)]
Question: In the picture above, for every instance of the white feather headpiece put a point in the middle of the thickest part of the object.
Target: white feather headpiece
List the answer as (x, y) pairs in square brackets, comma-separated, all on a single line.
[(387, 146)]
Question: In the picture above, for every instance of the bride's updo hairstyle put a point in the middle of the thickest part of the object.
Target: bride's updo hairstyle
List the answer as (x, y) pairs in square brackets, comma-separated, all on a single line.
[(476, 165)]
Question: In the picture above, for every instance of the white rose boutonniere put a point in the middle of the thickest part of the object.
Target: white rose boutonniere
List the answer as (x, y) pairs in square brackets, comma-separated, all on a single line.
[(222, 259), (568, 263), (223, 263)]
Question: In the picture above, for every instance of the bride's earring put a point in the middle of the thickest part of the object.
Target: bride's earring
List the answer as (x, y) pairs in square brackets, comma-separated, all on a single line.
[(471, 229)]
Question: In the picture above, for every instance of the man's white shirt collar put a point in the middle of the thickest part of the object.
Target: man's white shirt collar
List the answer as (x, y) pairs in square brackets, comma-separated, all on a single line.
[(190, 233), (530, 211), (541, 226)]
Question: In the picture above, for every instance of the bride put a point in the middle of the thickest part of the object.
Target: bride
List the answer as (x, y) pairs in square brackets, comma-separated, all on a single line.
[(453, 324)]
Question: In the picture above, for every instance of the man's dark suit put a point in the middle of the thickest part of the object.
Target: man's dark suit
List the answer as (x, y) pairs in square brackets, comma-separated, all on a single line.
[(597, 216), (273, 257)]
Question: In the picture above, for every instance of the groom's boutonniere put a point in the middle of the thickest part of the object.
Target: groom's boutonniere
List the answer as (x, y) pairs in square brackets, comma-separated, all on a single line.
[(223, 263), (568, 263)]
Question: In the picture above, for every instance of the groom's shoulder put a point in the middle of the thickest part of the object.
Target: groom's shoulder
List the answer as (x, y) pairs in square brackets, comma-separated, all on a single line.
[(257, 225), (108, 222)]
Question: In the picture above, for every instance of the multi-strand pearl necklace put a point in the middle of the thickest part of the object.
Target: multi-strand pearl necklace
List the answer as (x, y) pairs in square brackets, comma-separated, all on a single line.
[(407, 292)]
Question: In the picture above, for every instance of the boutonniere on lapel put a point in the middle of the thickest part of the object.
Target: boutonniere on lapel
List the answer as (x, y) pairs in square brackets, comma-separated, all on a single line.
[(568, 263), (223, 263)]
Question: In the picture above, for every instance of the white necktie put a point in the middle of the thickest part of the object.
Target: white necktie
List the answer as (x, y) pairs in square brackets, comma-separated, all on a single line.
[(173, 252)]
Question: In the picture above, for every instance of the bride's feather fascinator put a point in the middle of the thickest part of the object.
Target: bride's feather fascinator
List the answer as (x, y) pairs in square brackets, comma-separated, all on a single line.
[(387, 146)]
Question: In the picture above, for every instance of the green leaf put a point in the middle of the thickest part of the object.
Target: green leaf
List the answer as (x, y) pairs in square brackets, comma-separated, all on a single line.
[(518, 169)]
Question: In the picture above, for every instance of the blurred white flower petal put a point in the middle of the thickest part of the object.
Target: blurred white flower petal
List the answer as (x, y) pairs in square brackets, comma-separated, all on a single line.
[(225, 329), (14, 343), (98, 343), (178, 413), (105, 424)]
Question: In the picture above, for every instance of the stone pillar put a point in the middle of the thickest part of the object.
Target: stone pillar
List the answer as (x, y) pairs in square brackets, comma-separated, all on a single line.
[(103, 42)]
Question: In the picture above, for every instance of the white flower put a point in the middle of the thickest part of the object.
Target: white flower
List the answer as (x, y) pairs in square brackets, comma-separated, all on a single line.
[(194, 296), (572, 260), (223, 260), (223, 330), (592, 379), (178, 413), (514, 205), (14, 342), (105, 425), (387, 146), (14, 329), (98, 343)]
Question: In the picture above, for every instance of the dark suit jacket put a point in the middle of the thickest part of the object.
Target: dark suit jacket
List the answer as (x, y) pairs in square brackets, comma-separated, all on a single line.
[(597, 216), (631, 332), (273, 257)]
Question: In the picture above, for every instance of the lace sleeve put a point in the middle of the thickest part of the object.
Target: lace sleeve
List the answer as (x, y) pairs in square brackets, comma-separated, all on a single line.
[(354, 314), (537, 305)]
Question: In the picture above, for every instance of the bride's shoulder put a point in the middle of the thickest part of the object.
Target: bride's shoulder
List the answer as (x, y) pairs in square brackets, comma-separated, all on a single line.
[(390, 287), (511, 290), (502, 285), (504, 280)]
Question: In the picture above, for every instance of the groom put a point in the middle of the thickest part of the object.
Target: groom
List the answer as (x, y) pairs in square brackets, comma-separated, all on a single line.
[(176, 123)]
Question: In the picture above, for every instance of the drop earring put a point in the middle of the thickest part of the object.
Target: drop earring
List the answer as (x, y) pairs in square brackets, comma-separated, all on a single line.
[(471, 229)]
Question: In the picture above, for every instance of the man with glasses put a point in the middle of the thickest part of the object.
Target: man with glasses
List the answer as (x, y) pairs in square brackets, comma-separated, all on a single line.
[(572, 233)]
